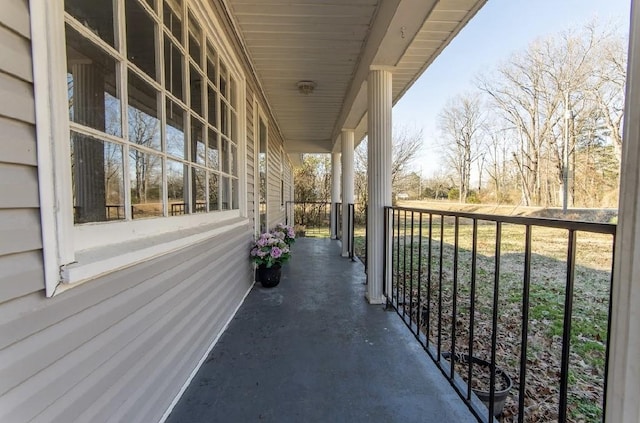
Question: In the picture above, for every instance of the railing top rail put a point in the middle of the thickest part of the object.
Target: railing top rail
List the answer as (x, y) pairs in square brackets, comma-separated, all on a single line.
[(577, 225)]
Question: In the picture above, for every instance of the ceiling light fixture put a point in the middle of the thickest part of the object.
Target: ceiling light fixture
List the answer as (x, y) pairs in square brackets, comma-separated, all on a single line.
[(306, 87)]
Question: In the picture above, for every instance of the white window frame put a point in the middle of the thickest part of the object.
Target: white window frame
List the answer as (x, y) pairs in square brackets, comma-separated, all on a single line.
[(260, 116), (74, 254)]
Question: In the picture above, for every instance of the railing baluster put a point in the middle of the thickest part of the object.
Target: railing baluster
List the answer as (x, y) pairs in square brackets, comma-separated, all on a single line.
[(404, 264), (429, 255), (608, 346), (494, 328), (566, 328), (454, 305), (472, 308), (398, 261), (385, 248), (440, 287), (419, 300), (525, 323), (411, 277)]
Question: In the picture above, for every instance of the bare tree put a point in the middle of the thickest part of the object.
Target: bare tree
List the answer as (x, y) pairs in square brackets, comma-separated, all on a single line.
[(461, 122)]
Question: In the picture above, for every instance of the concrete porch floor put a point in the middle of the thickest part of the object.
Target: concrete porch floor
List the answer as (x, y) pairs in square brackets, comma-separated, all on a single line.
[(313, 350)]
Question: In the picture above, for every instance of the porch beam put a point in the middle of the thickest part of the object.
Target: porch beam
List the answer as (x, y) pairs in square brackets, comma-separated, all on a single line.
[(623, 384), (379, 176), (347, 184), (335, 192)]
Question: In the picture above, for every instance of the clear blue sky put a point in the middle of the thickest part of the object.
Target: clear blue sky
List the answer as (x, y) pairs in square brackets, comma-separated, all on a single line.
[(499, 29)]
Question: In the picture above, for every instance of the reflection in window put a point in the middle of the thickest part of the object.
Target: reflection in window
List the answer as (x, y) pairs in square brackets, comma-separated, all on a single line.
[(97, 175), (172, 12), (145, 174), (214, 192), (234, 194), (195, 35), (212, 99), (92, 91), (173, 68), (198, 185), (140, 38), (143, 113), (211, 64), (198, 152), (213, 151), (233, 153), (224, 120), (262, 172), (175, 130), (96, 15), (225, 189), (224, 155), (176, 188), (196, 90)]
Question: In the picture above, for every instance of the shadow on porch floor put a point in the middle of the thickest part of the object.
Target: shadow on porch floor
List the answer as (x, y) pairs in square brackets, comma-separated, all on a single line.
[(313, 350)]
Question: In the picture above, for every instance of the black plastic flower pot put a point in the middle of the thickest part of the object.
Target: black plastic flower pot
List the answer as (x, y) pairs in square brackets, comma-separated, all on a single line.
[(269, 276), (500, 395)]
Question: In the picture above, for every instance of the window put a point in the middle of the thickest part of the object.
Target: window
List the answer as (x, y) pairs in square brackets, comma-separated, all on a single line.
[(262, 172), (147, 145), (152, 117)]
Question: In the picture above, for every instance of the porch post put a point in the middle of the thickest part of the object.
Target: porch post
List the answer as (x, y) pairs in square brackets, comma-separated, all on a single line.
[(623, 384), (347, 185), (335, 192), (379, 176)]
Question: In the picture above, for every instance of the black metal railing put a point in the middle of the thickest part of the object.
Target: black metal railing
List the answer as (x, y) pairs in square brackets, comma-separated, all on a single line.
[(314, 216), (501, 299), (349, 233)]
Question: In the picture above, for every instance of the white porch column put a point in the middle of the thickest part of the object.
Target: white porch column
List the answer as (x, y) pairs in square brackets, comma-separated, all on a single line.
[(623, 387), (379, 176), (347, 185), (335, 192)]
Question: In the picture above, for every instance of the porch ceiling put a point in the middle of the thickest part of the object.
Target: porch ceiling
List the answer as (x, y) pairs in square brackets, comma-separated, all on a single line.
[(333, 43)]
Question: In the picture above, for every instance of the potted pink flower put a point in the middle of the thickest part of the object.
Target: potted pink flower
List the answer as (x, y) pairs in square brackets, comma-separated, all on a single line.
[(269, 252), (285, 233)]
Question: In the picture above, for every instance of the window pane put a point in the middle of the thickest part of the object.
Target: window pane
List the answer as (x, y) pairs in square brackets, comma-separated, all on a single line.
[(224, 158), (141, 38), (211, 64), (224, 121), (145, 174), (212, 98), (175, 130), (198, 152), (143, 113), (234, 160), (234, 194), (198, 185), (92, 90), (173, 17), (196, 90), (151, 4), (97, 177), (233, 127), (96, 15), (225, 192), (223, 80), (195, 36), (173, 68), (232, 93), (213, 152), (214, 192), (176, 184)]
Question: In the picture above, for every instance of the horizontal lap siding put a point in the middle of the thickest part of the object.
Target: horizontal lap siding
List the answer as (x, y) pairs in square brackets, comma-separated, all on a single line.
[(276, 211), (21, 266), (120, 348), (250, 158)]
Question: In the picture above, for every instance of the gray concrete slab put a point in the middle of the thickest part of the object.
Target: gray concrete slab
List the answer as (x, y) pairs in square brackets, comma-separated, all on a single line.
[(313, 350)]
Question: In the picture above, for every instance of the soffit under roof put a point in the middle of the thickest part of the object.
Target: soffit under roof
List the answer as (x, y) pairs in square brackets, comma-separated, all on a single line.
[(333, 43)]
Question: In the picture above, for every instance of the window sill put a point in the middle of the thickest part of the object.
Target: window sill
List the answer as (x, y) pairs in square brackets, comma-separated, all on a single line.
[(100, 261)]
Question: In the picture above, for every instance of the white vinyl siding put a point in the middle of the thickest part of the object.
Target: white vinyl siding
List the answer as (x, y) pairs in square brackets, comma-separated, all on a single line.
[(21, 267)]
